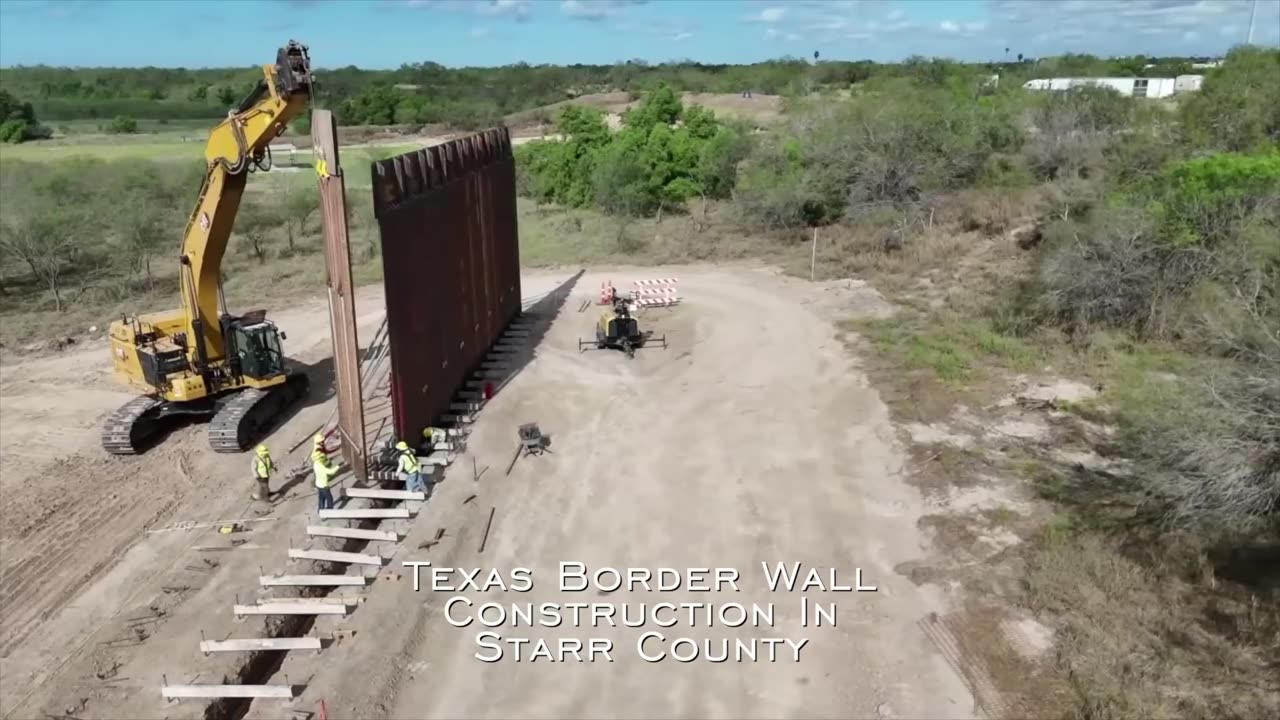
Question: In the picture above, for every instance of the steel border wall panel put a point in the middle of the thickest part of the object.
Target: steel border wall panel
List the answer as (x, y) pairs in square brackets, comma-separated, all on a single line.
[(341, 291), (451, 265)]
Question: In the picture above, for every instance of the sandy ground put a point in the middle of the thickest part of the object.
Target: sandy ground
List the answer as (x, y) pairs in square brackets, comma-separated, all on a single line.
[(78, 570), (752, 438)]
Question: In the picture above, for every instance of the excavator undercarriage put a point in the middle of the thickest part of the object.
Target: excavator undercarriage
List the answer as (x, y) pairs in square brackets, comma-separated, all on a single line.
[(236, 419)]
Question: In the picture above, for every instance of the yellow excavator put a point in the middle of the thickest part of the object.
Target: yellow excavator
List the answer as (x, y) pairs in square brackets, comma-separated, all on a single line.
[(200, 361)]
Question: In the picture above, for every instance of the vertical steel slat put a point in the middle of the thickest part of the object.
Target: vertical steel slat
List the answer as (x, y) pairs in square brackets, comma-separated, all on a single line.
[(342, 310)]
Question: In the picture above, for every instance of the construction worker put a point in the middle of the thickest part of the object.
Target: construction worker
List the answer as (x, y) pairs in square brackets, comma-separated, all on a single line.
[(430, 437), (324, 470), (262, 469), (409, 469), (318, 450)]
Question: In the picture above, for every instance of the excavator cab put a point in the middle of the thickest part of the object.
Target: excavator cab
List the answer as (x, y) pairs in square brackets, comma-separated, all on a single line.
[(256, 349)]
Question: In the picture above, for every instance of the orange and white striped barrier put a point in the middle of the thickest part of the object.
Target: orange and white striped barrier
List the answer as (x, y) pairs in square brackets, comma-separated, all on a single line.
[(607, 293), (658, 292), (655, 302)]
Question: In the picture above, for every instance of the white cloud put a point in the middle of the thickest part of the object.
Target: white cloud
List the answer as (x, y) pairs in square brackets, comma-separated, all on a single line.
[(768, 15), (948, 26), (1107, 27), (518, 9), (682, 35), (515, 8), (479, 32), (894, 15), (596, 9)]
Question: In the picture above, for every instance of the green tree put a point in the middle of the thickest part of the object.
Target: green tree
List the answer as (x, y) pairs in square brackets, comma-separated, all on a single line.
[(1238, 108), (123, 125), (660, 107), (18, 121), (226, 95)]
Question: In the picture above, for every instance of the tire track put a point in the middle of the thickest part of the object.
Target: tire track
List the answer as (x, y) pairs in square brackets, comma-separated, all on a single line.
[(93, 510), (48, 583)]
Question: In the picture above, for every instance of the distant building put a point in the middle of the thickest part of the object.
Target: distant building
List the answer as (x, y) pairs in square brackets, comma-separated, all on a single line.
[(1131, 87), (1187, 83)]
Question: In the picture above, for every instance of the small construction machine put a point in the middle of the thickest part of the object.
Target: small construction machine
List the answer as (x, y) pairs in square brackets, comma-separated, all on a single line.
[(618, 329), (199, 361)]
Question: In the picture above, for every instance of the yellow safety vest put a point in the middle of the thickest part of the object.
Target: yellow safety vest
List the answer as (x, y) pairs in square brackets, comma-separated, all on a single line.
[(408, 461), (323, 473), (262, 465)]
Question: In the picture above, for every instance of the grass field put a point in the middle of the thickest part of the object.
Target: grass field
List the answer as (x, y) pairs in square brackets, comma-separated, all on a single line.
[(167, 146)]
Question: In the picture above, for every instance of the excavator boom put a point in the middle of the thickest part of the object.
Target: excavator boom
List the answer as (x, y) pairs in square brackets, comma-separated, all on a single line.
[(235, 145)]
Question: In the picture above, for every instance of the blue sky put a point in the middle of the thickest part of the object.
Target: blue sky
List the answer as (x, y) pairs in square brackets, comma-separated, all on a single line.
[(386, 33)]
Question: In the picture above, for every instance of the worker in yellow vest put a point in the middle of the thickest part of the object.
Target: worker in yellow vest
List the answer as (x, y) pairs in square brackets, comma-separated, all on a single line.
[(262, 469), (409, 469), (318, 450), (324, 470)]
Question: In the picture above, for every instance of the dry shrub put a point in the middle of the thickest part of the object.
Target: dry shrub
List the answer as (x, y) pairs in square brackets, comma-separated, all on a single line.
[(1221, 465), (861, 250), (1073, 129), (1139, 641), (1063, 154), (991, 211), (1107, 272)]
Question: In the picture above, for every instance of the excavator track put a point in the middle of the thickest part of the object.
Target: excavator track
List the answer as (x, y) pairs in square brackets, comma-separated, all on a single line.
[(129, 428), (246, 415)]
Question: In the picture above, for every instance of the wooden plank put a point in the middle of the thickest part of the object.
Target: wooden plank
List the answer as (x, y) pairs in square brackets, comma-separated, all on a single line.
[(252, 644), (464, 407), (385, 494), (174, 692), (285, 608), (353, 533), (456, 418), (327, 600), (311, 580), (494, 374), (365, 514), (334, 556)]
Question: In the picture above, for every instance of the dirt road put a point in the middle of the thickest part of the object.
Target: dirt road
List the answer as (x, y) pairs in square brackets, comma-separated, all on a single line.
[(753, 438)]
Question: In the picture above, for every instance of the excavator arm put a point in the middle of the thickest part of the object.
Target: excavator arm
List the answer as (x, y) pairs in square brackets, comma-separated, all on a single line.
[(235, 145)]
